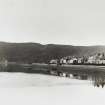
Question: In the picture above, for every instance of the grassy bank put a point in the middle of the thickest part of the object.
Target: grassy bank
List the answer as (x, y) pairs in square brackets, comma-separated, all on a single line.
[(44, 68)]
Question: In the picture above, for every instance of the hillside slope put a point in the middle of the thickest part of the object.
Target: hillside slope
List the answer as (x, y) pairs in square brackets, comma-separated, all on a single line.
[(35, 52)]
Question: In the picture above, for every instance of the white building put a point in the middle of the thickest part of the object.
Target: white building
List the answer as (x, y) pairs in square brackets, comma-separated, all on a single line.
[(79, 60), (91, 59), (53, 61)]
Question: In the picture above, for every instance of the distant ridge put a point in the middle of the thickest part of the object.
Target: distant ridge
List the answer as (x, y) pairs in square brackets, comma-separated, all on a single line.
[(36, 52)]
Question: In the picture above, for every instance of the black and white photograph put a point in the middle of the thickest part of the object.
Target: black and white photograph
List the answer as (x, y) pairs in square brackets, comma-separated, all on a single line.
[(52, 52)]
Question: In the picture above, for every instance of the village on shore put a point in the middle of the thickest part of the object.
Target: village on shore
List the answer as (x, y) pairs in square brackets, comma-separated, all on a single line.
[(95, 59), (98, 58)]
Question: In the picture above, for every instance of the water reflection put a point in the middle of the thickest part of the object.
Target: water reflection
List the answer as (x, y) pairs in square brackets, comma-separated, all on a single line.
[(97, 78)]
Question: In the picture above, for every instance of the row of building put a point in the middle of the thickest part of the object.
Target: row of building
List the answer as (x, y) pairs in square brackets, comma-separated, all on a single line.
[(98, 58)]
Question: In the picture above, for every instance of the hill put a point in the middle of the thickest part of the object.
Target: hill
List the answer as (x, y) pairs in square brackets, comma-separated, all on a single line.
[(35, 52)]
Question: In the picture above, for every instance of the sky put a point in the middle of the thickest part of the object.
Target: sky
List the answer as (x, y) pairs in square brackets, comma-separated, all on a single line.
[(73, 22)]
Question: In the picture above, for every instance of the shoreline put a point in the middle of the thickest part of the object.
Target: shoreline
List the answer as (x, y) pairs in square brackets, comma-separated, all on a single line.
[(45, 68)]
